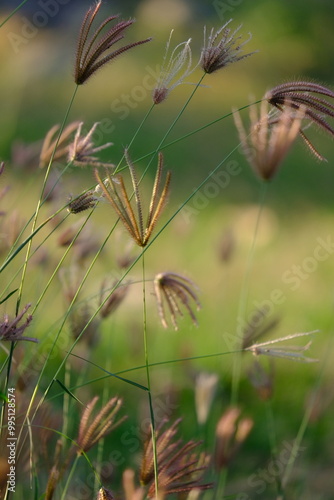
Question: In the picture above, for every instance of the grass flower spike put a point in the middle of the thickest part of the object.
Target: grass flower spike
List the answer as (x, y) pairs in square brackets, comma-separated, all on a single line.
[(295, 353), (221, 48), (83, 202), (174, 71), (180, 468), (294, 95), (176, 291), (93, 54), (93, 429), (10, 331), (81, 151), (63, 143), (115, 192), (269, 139)]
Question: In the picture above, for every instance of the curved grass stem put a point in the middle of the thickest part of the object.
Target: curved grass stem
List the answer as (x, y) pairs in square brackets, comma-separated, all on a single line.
[(243, 300)]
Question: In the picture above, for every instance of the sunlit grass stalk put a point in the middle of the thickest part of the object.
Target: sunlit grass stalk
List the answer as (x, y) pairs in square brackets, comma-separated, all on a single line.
[(243, 299)]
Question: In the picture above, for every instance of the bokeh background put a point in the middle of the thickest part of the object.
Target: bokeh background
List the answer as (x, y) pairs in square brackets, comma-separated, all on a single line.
[(294, 40)]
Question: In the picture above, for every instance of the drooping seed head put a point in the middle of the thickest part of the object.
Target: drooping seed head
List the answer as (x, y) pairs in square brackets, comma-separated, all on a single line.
[(312, 98)]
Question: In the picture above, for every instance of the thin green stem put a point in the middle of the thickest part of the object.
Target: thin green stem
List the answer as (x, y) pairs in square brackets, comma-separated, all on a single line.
[(135, 135), (190, 134), (154, 444), (176, 119), (244, 298), (39, 203), (13, 12), (69, 477)]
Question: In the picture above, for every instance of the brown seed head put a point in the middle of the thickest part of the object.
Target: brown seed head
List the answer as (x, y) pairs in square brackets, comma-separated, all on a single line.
[(82, 150), (269, 139), (309, 97), (115, 192), (222, 47), (10, 331), (83, 202), (92, 429), (94, 53), (180, 467), (175, 291), (51, 140)]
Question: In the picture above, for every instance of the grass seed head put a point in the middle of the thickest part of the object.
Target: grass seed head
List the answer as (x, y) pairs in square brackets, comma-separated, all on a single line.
[(115, 192), (175, 291), (11, 331), (222, 47), (174, 71), (312, 98), (93, 428), (180, 465), (94, 53), (269, 138), (81, 152)]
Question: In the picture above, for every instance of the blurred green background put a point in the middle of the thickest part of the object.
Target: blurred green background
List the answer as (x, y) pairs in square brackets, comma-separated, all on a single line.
[(294, 40)]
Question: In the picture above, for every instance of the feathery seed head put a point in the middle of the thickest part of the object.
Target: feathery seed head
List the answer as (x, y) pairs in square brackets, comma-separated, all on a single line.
[(222, 47), (115, 192), (10, 331), (81, 151), (269, 139), (294, 353), (83, 202), (92, 429), (62, 143), (92, 54), (173, 72), (180, 467), (299, 94), (176, 291)]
